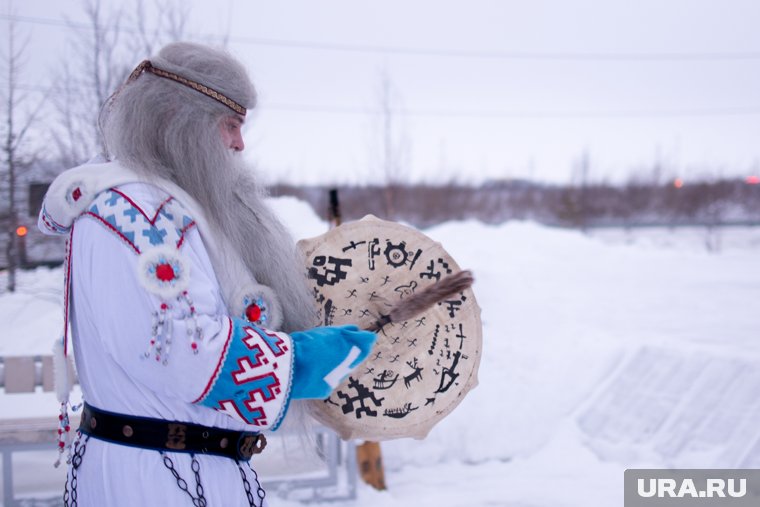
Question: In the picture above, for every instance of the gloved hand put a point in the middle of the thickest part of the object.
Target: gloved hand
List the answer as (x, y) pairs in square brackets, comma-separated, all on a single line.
[(324, 356)]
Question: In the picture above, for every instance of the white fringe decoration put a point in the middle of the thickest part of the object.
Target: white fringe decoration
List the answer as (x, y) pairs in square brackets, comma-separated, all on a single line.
[(62, 371)]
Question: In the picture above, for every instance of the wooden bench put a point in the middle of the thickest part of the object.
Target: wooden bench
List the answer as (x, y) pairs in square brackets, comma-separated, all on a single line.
[(333, 478)]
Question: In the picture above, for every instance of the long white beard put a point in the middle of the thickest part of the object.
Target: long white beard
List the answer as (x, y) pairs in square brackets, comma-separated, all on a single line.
[(235, 205)]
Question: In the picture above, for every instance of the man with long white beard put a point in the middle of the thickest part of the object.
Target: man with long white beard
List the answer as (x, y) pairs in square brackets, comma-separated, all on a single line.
[(190, 318)]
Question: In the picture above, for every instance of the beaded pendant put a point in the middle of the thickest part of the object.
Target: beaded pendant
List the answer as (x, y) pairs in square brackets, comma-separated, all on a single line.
[(259, 305), (165, 272)]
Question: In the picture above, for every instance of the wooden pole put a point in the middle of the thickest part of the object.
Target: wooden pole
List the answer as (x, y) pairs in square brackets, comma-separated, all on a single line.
[(368, 455)]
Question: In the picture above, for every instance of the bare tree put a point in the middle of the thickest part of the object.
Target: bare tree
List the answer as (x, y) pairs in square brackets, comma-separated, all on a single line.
[(113, 41), (85, 81), (20, 117), (394, 142), (170, 24)]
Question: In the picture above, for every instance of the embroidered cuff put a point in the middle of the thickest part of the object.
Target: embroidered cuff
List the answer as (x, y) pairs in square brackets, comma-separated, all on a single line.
[(252, 380)]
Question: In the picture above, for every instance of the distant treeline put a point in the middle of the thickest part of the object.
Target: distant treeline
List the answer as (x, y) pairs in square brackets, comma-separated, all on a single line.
[(722, 202), (702, 203)]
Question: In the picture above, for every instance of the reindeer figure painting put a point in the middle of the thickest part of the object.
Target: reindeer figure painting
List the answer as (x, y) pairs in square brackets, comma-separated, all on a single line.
[(415, 375)]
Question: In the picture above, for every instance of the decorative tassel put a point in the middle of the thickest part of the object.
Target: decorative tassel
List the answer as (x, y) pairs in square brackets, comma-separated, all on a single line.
[(158, 332), (62, 369), (193, 329), (162, 330)]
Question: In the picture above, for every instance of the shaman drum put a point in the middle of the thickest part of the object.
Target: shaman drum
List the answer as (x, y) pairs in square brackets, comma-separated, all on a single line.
[(421, 368)]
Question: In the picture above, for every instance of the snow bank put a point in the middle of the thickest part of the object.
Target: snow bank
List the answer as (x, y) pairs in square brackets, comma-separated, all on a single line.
[(566, 318)]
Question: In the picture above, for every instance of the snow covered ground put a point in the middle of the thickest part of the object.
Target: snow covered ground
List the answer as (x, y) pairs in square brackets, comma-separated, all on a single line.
[(601, 352)]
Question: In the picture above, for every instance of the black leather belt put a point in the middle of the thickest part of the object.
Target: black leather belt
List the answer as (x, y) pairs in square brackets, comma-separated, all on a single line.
[(171, 436)]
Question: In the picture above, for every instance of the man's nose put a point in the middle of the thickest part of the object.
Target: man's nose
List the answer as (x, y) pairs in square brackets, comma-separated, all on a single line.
[(237, 143)]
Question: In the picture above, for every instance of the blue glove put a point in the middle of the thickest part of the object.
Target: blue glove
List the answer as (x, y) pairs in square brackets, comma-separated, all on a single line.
[(324, 356)]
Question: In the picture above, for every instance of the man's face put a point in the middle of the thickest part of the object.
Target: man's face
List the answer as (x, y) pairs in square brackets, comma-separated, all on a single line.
[(230, 128)]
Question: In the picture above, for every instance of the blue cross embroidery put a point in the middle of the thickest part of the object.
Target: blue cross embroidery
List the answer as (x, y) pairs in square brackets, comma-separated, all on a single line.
[(113, 200), (131, 213), (155, 235), (111, 219)]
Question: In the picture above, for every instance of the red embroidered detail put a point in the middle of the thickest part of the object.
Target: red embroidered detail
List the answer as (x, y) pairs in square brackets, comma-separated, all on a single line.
[(114, 229), (52, 224), (259, 417), (218, 368), (152, 221), (138, 208), (67, 293), (275, 343), (194, 345), (164, 306), (76, 194), (165, 272), (182, 233), (248, 367), (253, 312), (268, 386), (228, 407)]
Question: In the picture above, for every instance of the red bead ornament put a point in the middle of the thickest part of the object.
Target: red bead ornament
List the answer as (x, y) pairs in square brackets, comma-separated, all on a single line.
[(165, 273), (76, 194), (253, 312)]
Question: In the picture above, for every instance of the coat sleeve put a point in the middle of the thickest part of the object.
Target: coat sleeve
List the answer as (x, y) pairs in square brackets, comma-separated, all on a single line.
[(181, 342)]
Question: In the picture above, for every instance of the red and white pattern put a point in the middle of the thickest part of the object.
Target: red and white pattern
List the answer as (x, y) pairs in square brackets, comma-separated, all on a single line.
[(251, 378)]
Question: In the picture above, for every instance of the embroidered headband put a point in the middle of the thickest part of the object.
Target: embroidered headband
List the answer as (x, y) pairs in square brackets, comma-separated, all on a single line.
[(146, 66)]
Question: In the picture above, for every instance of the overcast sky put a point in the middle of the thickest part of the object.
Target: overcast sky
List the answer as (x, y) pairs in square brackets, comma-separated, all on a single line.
[(482, 89)]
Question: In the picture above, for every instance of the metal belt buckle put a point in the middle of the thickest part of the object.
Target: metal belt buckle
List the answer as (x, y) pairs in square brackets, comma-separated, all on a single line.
[(249, 444)]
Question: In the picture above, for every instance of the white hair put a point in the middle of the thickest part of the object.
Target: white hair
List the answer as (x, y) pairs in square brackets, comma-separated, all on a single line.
[(159, 127)]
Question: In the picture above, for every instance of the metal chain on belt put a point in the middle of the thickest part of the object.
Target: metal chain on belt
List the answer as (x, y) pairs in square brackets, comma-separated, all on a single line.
[(200, 500), (247, 485), (76, 462), (70, 497)]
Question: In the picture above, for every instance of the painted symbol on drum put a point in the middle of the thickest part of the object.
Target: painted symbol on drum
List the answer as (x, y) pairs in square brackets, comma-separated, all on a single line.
[(396, 255), (415, 375), (406, 290), (329, 312), (449, 374), (328, 276), (384, 380), (373, 250), (418, 369), (363, 393), (353, 246), (454, 305), (401, 412), (431, 350)]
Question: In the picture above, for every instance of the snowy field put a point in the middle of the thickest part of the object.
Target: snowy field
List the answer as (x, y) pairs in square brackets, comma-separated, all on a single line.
[(601, 352)]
